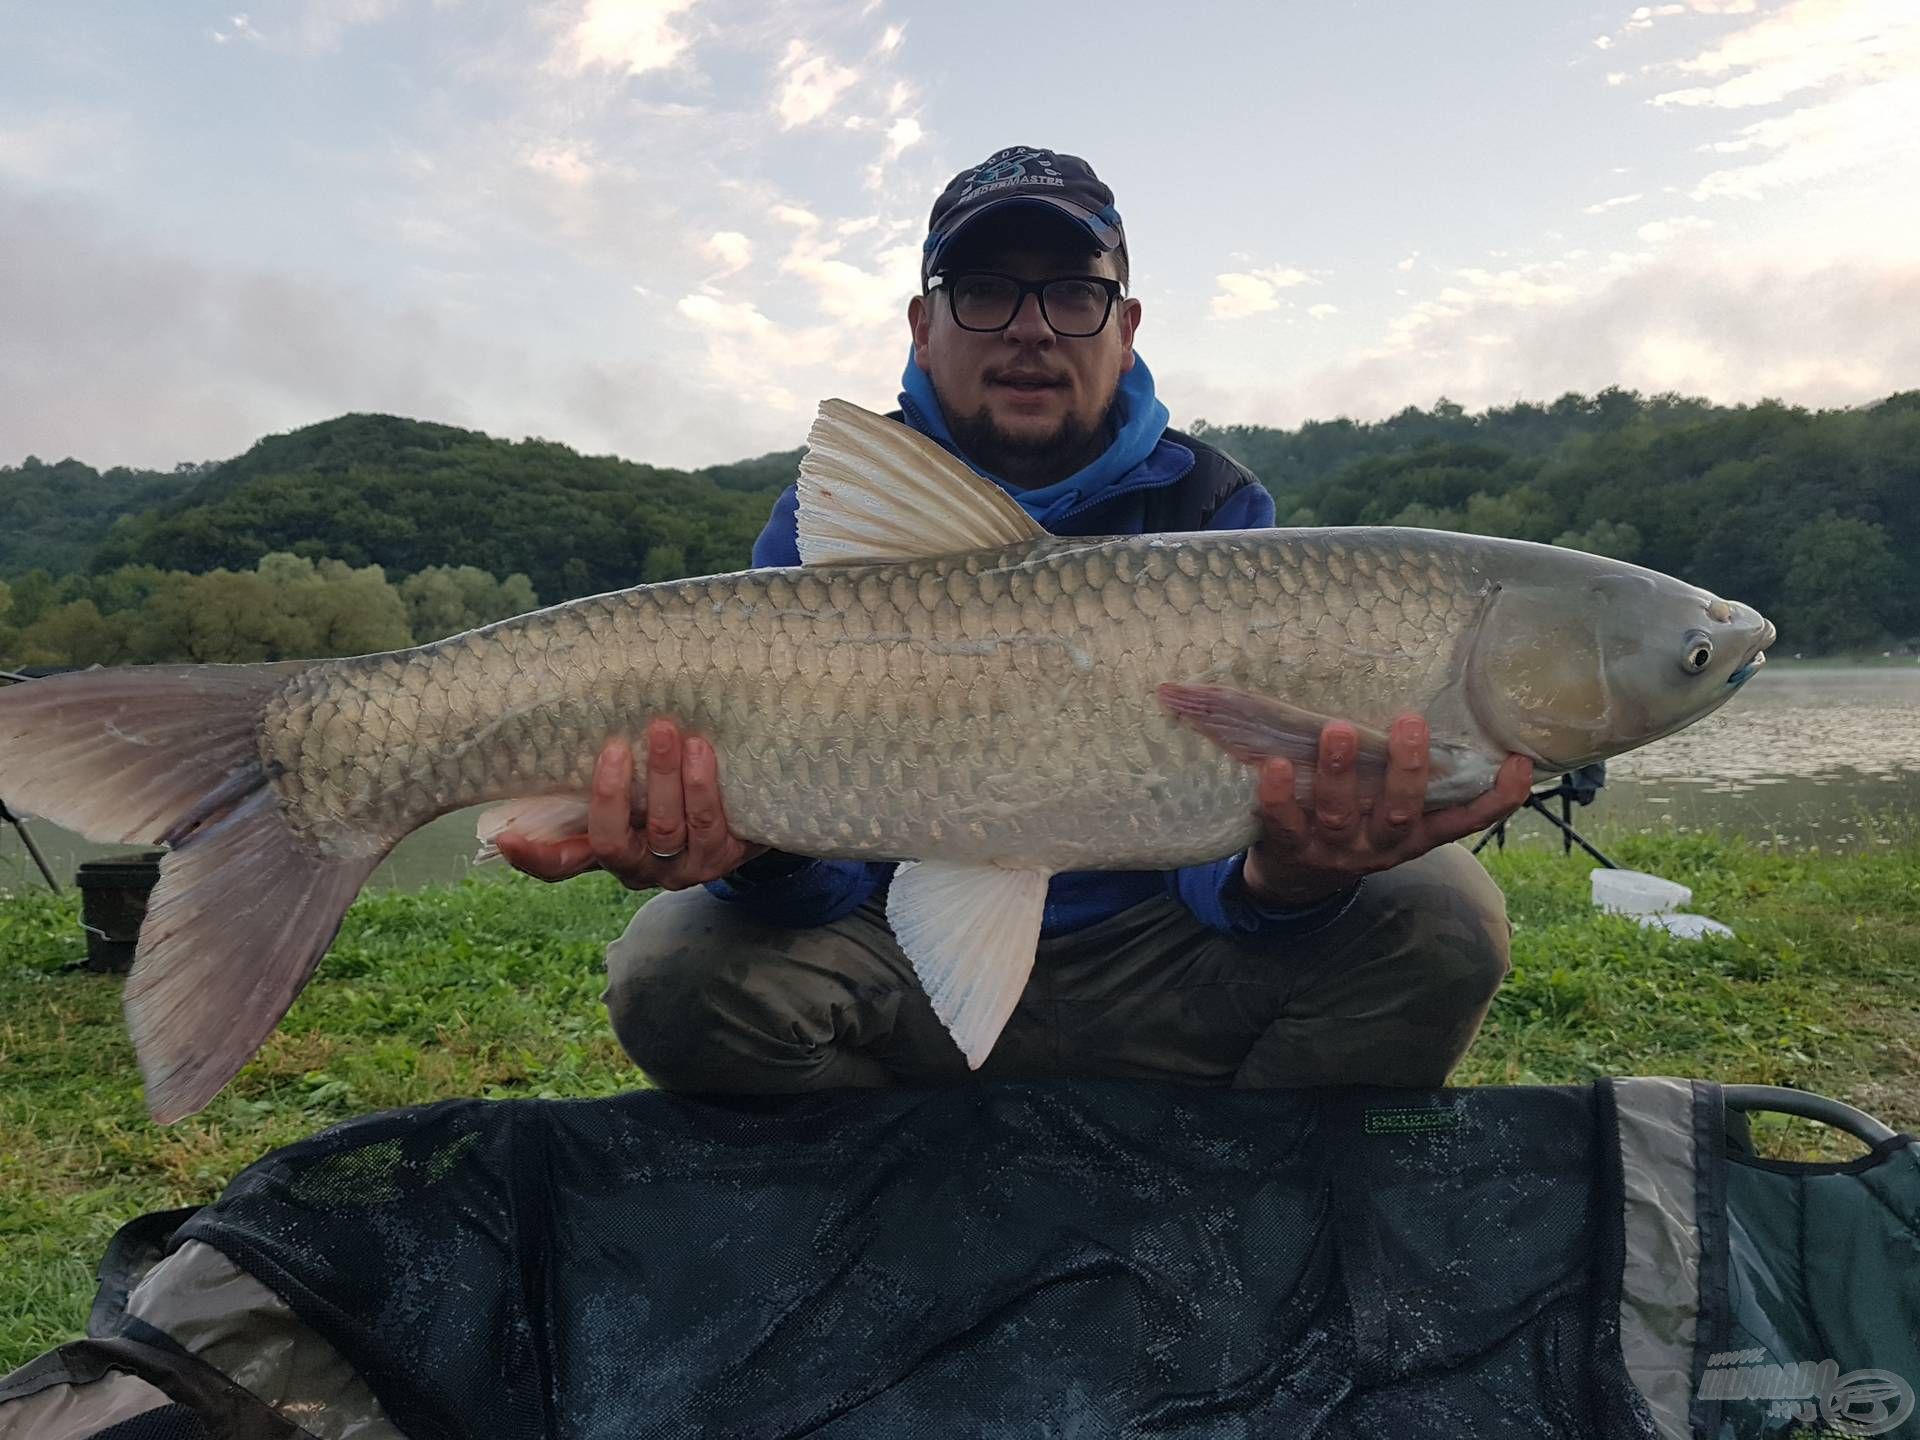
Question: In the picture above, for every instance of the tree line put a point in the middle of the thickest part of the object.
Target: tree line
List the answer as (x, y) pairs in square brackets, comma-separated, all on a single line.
[(286, 607), (1813, 516)]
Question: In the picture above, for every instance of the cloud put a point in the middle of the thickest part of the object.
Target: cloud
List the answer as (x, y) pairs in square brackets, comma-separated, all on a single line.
[(1407, 263), (1658, 232), (891, 38), (809, 85), (1819, 334), (569, 164), (738, 317), (630, 35), (1253, 292), (1323, 312), (1854, 68), (238, 27), (1283, 277), (853, 294), (1614, 204), (1875, 129), (1545, 282), (1241, 296), (1603, 42), (730, 249), (840, 329), (1643, 18), (903, 132), (1808, 45)]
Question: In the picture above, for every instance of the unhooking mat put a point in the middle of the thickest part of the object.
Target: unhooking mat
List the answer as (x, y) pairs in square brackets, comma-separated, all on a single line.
[(1070, 1259)]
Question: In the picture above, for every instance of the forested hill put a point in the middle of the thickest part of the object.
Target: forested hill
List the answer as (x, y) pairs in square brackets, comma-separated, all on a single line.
[(1814, 516), (52, 517), (407, 495)]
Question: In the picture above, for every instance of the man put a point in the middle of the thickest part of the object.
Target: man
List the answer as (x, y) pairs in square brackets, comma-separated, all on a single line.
[(1350, 944)]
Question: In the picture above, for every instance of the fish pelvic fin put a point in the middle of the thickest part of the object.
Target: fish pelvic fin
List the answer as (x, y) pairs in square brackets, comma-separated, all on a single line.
[(970, 932), (545, 818), (873, 489), (244, 906)]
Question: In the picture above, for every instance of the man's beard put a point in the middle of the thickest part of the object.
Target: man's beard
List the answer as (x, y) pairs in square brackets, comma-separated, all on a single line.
[(1029, 464)]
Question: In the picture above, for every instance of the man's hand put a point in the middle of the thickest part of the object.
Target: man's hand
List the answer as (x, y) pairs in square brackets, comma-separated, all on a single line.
[(1303, 857), (685, 840)]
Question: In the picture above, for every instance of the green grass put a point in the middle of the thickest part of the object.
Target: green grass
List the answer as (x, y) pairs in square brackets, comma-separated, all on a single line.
[(492, 988)]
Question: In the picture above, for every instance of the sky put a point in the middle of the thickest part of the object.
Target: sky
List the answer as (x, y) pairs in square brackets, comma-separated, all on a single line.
[(667, 229)]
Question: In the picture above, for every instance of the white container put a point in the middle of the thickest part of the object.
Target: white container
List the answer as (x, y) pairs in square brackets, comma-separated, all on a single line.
[(1687, 927), (1631, 892)]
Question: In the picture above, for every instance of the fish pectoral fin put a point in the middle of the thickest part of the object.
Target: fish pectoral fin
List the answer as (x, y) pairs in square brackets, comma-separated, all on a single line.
[(1257, 728), (871, 488), (543, 818), (970, 932)]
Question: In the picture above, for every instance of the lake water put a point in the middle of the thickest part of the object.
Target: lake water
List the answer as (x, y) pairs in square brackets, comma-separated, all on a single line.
[(1804, 755)]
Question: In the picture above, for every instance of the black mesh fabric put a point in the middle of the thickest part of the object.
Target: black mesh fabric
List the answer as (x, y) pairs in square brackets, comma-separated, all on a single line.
[(1070, 1259), (169, 1422)]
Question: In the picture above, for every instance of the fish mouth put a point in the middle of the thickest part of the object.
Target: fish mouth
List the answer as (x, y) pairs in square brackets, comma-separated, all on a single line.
[(1756, 660)]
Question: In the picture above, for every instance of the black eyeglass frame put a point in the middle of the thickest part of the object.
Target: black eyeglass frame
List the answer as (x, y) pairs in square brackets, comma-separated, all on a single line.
[(943, 280)]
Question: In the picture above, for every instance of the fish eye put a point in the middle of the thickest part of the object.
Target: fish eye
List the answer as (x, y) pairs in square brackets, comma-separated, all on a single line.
[(1699, 652)]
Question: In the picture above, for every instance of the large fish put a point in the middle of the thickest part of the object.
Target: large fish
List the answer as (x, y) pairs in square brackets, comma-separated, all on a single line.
[(941, 682)]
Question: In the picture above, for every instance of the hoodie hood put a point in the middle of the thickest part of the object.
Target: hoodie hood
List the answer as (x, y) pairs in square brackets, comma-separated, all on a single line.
[(1142, 420)]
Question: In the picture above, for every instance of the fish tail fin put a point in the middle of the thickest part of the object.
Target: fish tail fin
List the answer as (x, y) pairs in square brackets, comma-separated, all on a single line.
[(244, 907)]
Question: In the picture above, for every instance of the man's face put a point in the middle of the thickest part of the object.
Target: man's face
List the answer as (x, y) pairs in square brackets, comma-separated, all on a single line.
[(1024, 402)]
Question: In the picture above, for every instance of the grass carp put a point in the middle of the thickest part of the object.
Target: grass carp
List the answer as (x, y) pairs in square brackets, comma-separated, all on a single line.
[(941, 683)]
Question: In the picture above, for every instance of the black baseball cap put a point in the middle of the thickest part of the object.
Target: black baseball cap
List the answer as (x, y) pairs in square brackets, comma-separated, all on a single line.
[(1022, 175)]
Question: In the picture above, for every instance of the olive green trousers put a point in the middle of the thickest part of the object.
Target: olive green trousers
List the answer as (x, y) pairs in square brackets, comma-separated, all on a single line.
[(1389, 992)]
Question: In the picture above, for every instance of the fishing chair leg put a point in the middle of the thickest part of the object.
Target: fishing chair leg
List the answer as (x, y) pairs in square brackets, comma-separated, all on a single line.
[(7, 817), (1569, 837)]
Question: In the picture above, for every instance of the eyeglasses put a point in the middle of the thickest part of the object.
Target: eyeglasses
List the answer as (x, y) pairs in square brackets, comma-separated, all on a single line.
[(986, 301)]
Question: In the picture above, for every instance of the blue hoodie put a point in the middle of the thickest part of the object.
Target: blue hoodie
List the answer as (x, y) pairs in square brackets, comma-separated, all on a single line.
[(1104, 498)]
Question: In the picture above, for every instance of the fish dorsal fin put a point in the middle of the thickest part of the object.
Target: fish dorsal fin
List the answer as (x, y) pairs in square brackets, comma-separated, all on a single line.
[(874, 489), (970, 932)]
